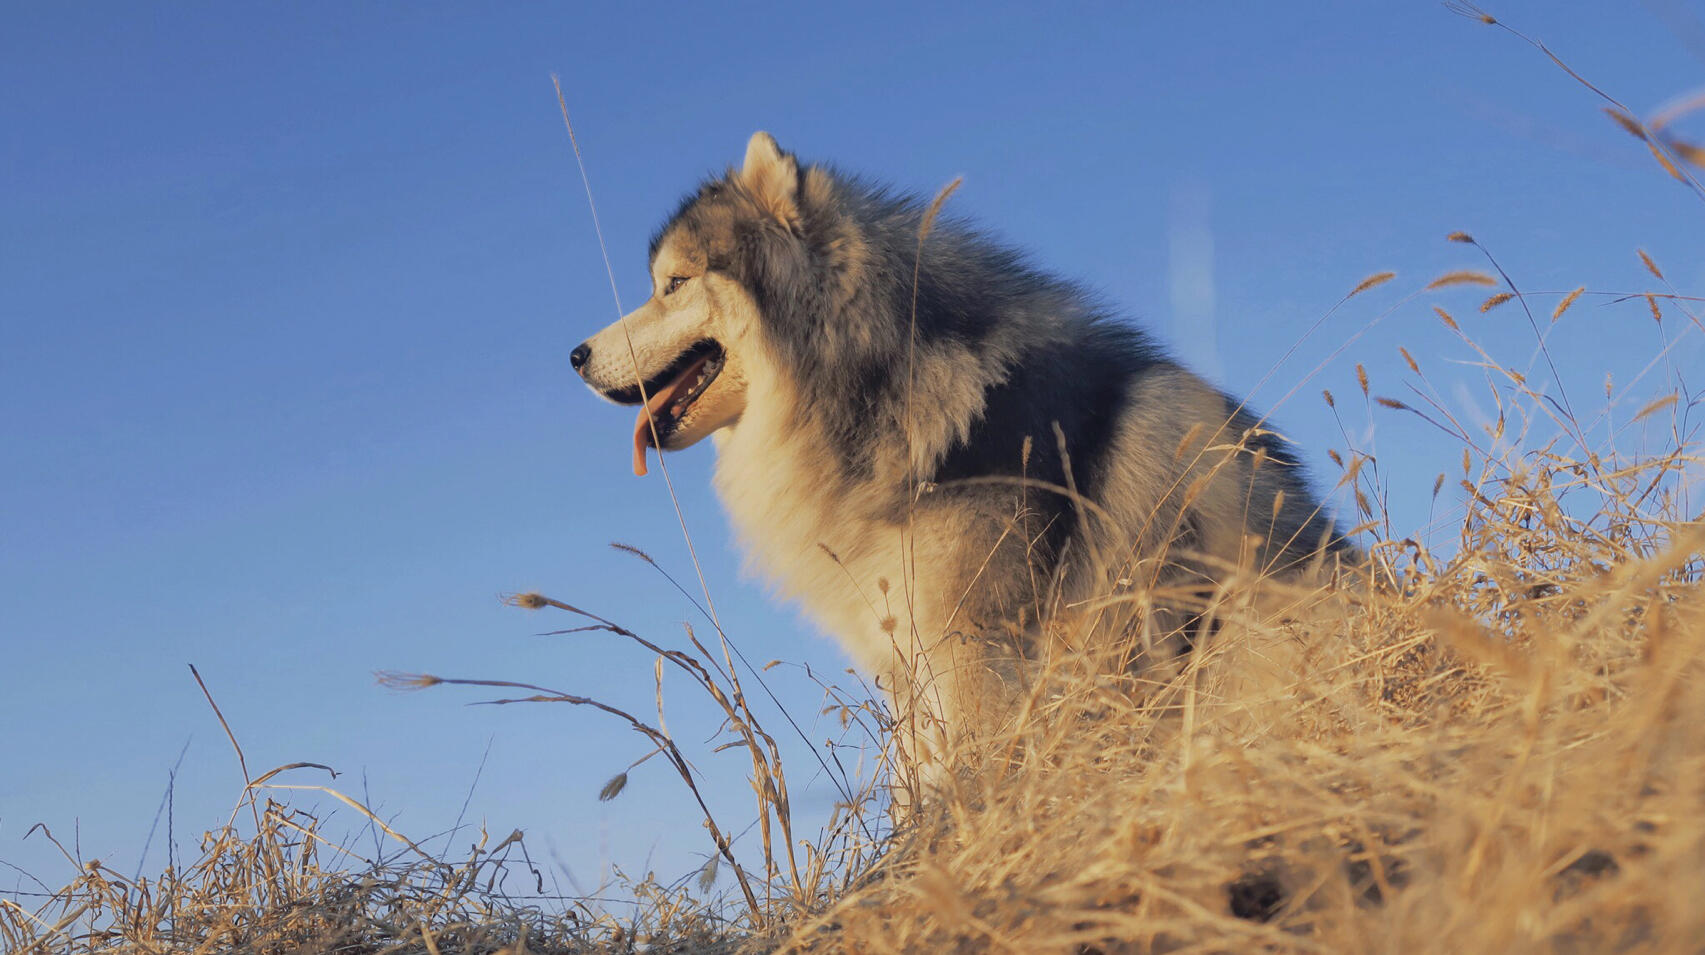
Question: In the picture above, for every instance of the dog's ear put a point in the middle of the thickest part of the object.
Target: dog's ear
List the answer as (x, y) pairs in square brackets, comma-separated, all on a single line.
[(772, 177)]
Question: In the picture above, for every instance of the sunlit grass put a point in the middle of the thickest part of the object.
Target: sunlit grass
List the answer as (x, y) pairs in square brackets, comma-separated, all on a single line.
[(1489, 745)]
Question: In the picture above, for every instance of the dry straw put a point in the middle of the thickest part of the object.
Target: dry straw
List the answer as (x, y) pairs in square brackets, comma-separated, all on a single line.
[(1491, 747), (1487, 745)]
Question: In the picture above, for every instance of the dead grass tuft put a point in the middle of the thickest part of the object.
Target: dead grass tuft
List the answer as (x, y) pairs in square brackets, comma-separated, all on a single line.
[(1490, 746)]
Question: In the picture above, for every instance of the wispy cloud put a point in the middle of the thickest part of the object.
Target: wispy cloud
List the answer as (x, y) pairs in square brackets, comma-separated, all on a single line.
[(1190, 273)]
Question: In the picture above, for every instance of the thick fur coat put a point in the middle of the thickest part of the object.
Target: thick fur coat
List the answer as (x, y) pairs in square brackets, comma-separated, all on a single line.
[(938, 451)]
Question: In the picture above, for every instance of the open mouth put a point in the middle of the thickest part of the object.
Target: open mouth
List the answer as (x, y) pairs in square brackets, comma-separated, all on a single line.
[(629, 395), (670, 395)]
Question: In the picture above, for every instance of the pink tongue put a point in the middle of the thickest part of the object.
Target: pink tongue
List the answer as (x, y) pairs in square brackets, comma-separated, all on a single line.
[(654, 409)]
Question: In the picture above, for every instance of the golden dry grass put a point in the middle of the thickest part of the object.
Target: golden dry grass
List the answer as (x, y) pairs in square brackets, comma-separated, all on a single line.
[(1494, 747), (1499, 753), (1492, 751)]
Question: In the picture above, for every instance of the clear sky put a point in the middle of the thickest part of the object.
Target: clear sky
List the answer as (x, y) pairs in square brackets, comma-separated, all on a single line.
[(287, 294)]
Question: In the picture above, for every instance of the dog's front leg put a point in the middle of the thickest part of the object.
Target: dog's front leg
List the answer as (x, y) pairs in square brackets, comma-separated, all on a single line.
[(958, 666)]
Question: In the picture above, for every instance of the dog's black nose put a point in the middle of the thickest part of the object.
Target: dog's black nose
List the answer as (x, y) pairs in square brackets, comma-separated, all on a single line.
[(578, 357)]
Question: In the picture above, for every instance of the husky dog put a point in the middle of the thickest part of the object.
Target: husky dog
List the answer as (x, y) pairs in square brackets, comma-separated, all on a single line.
[(933, 447)]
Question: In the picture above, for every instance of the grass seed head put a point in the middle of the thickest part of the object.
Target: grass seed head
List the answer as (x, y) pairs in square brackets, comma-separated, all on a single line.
[(614, 787), (1495, 301), (393, 680), (934, 210), (1629, 124), (1690, 153), (1370, 282), (1650, 265), (1461, 277)]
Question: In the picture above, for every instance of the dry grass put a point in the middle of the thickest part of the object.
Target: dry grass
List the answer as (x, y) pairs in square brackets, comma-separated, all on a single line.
[(1498, 752), (1495, 750), (1489, 748)]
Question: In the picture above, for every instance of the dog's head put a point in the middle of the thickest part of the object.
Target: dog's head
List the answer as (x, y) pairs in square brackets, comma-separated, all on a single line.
[(682, 355)]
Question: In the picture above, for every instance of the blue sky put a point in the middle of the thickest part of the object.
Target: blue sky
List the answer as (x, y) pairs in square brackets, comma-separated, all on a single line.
[(287, 294)]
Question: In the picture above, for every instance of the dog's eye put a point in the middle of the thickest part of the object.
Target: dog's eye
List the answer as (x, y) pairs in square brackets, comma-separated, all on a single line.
[(675, 282)]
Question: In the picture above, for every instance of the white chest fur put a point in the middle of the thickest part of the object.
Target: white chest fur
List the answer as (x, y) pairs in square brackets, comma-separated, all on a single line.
[(787, 507)]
